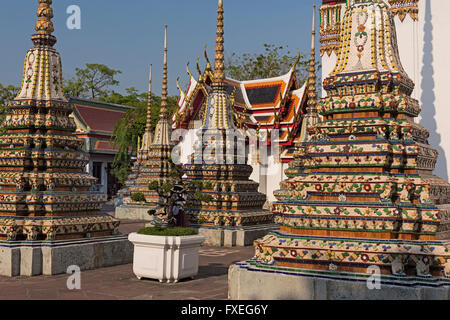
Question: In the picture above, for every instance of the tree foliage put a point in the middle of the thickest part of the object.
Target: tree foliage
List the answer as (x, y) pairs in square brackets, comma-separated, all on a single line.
[(7, 94), (131, 127), (172, 192), (273, 62), (92, 82)]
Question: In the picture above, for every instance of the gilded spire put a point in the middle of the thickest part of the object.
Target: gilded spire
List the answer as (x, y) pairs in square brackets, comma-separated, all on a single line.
[(312, 78), (219, 66), (44, 24), (219, 111), (162, 131), (42, 77), (149, 103), (311, 117), (164, 113)]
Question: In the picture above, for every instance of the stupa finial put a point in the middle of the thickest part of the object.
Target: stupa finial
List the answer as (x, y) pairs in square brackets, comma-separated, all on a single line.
[(219, 66), (312, 78), (44, 24), (164, 113), (149, 103)]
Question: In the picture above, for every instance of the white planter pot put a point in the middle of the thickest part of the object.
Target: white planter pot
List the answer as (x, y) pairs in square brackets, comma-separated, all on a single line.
[(167, 259)]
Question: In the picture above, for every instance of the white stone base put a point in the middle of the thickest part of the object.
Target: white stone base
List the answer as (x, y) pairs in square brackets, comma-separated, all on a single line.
[(167, 259), (234, 237), (51, 258), (257, 284), (125, 212)]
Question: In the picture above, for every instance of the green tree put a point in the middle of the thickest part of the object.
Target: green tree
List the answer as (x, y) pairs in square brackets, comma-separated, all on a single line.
[(7, 94), (131, 127), (92, 82), (275, 61), (74, 87)]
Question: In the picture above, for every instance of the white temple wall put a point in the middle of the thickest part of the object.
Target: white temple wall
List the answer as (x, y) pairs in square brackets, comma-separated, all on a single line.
[(328, 64), (273, 176), (435, 71), (409, 44), (185, 147), (102, 185)]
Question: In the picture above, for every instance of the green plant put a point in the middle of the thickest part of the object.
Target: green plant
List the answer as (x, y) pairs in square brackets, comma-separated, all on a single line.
[(199, 196), (171, 191), (201, 221), (138, 197), (208, 185), (158, 230)]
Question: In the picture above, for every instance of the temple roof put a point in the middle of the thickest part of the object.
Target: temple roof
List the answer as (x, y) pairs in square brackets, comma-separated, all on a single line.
[(264, 104), (96, 120)]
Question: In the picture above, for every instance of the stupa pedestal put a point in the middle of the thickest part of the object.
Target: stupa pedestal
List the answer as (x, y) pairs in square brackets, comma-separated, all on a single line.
[(47, 208), (151, 165), (366, 209), (51, 258), (234, 216)]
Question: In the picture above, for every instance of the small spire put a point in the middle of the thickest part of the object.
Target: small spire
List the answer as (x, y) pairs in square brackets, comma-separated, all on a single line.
[(44, 25), (164, 113), (149, 103), (219, 66), (312, 78), (208, 64)]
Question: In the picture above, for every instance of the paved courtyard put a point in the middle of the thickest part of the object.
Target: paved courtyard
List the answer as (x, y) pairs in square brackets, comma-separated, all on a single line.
[(119, 282)]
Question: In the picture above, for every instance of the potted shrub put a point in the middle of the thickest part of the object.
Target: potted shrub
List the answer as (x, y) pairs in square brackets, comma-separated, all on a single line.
[(169, 250)]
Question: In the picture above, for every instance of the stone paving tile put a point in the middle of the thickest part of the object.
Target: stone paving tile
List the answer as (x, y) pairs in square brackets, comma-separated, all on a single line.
[(119, 282)]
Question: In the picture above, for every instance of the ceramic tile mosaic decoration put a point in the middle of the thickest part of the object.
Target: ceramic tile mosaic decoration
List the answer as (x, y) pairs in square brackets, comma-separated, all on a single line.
[(44, 190), (153, 156), (363, 194), (236, 203)]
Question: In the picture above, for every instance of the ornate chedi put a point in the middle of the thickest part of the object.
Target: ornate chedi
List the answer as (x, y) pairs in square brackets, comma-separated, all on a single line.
[(367, 196), (44, 190), (143, 146), (154, 152), (217, 167)]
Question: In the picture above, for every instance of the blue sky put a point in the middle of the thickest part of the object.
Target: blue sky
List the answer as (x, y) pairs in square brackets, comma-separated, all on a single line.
[(128, 34)]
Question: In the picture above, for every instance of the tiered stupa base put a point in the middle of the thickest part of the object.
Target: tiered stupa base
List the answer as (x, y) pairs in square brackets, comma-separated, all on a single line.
[(152, 165), (134, 211), (234, 216), (232, 228), (284, 283)]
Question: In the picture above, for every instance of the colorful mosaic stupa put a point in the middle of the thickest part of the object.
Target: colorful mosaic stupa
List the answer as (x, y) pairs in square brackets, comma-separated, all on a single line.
[(218, 167), (154, 152), (366, 196), (44, 190)]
